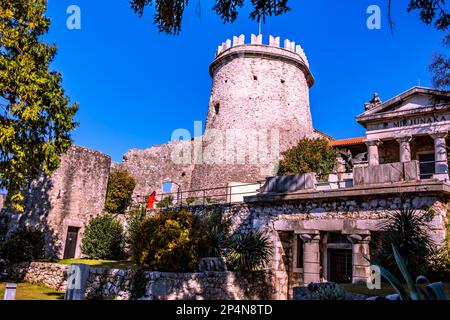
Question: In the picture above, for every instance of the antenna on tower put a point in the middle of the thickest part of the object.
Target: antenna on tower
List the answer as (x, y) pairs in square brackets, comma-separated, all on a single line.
[(259, 29)]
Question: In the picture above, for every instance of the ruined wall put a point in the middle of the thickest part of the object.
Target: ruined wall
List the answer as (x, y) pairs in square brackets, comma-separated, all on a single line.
[(74, 193), (151, 166)]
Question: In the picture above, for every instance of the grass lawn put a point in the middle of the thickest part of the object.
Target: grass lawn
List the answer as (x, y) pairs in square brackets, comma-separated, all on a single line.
[(107, 264), (29, 291), (385, 289)]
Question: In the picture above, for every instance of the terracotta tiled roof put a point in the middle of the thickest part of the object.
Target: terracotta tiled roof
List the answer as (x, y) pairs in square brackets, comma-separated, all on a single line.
[(324, 135), (347, 142)]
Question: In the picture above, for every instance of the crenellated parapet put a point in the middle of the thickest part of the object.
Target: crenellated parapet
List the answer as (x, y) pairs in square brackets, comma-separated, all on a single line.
[(258, 40)]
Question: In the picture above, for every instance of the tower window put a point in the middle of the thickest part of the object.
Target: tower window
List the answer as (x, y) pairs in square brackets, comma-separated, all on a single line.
[(283, 81), (217, 107), (255, 78)]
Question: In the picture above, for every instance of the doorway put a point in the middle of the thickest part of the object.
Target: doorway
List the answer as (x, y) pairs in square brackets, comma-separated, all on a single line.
[(340, 265), (71, 242)]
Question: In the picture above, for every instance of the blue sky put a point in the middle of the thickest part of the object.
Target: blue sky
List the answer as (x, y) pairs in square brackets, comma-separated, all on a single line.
[(135, 86)]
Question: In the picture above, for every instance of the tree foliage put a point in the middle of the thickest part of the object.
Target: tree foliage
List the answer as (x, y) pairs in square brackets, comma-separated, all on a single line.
[(35, 116), (169, 13), (440, 67), (103, 238), (309, 155), (119, 191)]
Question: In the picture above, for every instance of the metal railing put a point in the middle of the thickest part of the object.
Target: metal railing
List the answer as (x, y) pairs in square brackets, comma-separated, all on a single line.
[(209, 196)]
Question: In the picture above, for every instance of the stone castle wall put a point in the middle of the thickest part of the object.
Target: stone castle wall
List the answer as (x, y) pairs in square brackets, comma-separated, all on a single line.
[(119, 284), (73, 194), (151, 166)]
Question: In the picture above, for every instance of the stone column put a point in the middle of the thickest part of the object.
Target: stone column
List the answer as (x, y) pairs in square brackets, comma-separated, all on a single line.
[(405, 148), (372, 152), (311, 257), (360, 256), (440, 156)]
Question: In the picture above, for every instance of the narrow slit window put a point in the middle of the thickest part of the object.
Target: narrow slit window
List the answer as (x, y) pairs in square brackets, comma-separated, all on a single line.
[(217, 108)]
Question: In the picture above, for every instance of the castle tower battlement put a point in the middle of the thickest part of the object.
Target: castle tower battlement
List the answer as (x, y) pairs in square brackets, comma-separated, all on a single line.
[(290, 51), (264, 88)]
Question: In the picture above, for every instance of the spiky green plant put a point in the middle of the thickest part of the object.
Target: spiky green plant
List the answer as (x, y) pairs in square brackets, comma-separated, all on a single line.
[(408, 230), (421, 289), (249, 251)]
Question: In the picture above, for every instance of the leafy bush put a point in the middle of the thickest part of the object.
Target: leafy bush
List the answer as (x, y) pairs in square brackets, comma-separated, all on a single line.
[(309, 155), (166, 202), (25, 244), (168, 241), (248, 251), (119, 191), (408, 230), (103, 238), (190, 200)]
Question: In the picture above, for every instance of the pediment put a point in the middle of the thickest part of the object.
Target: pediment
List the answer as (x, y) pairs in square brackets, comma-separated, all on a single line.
[(413, 102)]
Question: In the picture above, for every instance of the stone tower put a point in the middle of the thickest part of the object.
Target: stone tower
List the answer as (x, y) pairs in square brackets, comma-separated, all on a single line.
[(260, 93)]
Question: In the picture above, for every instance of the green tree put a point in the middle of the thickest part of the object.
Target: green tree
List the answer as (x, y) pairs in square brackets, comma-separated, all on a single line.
[(35, 116), (440, 67), (169, 13), (119, 191), (103, 238), (309, 155)]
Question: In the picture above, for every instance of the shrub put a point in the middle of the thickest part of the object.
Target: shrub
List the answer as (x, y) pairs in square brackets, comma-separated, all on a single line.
[(135, 216), (168, 241), (215, 231), (309, 155), (408, 230), (119, 191), (327, 291), (166, 202), (103, 238), (25, 244), (249, 251)]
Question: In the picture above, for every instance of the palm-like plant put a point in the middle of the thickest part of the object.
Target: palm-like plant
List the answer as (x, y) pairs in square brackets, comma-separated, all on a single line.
[(249, 251), (421, 289), (409, 231)]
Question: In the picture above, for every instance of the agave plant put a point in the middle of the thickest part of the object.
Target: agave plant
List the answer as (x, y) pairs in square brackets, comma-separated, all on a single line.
[(421, 289), (249, 251)]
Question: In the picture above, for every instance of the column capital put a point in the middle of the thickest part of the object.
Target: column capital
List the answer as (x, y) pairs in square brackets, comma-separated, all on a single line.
[(404, 139), (358, 238), (375, 142), (437, 135), (310, 237)]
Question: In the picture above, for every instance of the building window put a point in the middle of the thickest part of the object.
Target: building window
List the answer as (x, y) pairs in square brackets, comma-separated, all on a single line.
[(255, 78), (167, 186), (426, 165), (217, 107), (299, 252)]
